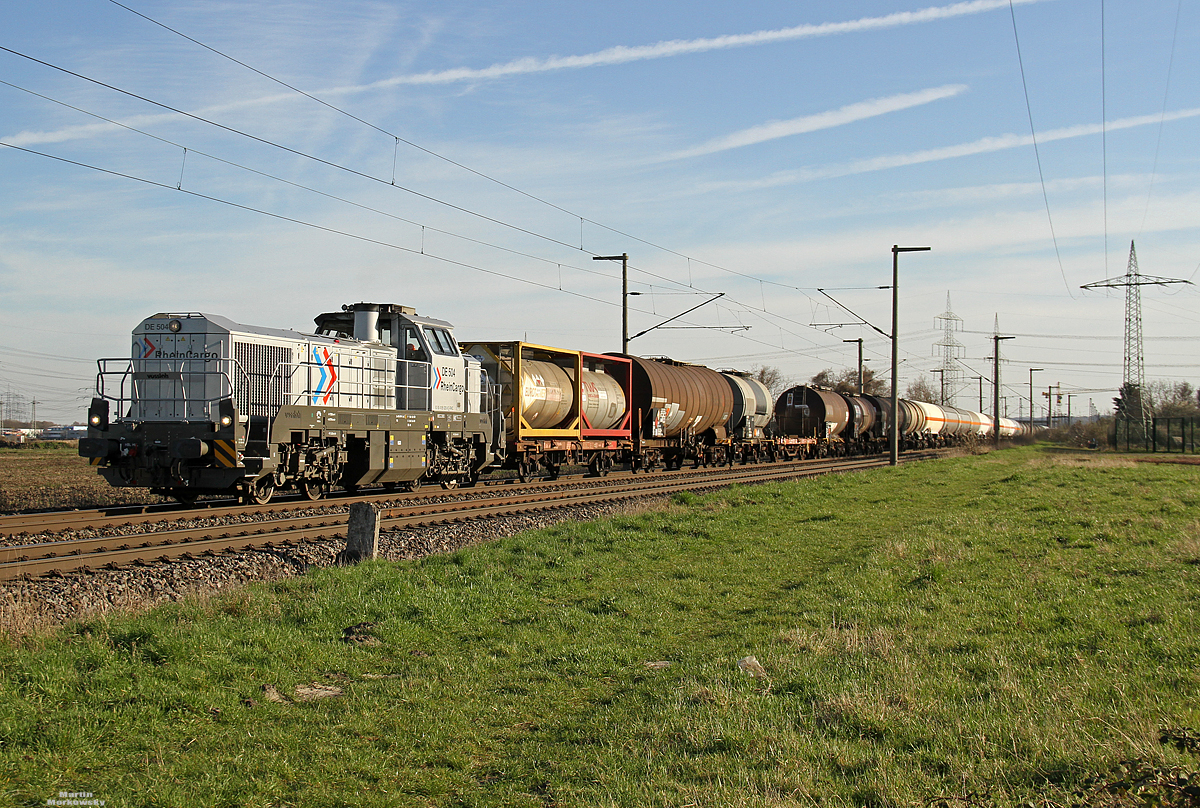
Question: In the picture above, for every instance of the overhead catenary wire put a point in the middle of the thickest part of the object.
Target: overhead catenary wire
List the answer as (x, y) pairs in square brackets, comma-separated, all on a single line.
[(355, 172), (346, 234), (301, 186), (398, 139), (1037, 152)]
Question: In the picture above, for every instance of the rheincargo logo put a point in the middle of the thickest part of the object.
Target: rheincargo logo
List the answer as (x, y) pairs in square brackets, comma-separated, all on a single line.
[(145, 349), (183, 355)]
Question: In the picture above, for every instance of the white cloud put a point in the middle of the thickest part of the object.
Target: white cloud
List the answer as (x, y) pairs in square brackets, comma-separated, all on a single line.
[(822, 120), (622, 54)]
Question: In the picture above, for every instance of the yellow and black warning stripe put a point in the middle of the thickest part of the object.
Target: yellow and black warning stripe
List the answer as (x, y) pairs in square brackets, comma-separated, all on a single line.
[(95, 461), (224, 453)]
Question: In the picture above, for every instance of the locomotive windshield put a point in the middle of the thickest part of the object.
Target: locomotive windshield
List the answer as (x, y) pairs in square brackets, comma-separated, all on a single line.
[(440, 341)]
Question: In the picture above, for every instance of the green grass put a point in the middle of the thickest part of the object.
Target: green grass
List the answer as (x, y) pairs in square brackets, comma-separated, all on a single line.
[(1000, 628)]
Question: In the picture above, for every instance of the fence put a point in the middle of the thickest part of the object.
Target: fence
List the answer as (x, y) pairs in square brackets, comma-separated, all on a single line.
[(1163, 435)]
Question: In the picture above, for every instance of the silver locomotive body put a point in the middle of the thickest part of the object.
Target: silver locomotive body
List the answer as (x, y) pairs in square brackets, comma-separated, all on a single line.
[(207, 405)]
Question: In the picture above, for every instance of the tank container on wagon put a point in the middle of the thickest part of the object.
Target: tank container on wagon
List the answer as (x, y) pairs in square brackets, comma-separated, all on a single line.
[(555, 393), (537, 386), (604, 390), (674, 398), (810, 412)]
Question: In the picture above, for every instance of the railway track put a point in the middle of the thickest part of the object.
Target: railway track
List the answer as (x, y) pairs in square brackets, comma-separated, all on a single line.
[(291, 523)]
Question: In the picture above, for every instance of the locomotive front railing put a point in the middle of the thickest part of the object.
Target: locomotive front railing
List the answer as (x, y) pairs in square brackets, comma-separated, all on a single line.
[(135, 404)]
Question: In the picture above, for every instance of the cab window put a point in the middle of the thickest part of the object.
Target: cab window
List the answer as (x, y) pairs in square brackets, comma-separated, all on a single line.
[(440, 341), (413, 351)]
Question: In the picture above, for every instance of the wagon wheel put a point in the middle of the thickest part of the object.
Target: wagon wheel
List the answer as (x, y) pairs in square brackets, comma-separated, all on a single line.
[(313, 489), (412, 486), (184, 497), (524, 471), (450, 483)]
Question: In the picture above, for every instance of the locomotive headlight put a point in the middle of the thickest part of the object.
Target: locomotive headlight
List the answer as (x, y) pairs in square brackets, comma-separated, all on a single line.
[(226, 420), (175, 325), (98, 414)]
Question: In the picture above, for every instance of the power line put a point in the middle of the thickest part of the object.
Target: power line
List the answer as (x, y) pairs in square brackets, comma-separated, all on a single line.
[(1162, 120), (442, 157), (1037, 153), (355, 172), (355, 236)]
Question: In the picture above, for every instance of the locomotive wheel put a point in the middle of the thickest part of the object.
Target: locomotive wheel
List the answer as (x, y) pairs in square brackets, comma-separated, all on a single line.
[(184, 497), (313, 489), (261, 493)]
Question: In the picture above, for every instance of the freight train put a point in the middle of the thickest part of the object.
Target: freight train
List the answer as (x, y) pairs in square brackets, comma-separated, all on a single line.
[(378, 395)]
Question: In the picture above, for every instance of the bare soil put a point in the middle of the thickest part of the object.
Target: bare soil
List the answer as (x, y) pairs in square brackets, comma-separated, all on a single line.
[(37, 479)]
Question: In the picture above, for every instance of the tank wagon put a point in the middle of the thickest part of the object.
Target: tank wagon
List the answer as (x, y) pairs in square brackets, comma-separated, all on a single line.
[(847, 423), (378, 395)]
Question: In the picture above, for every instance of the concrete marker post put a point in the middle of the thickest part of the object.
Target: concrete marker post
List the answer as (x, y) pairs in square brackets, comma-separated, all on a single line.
[(362, 534)]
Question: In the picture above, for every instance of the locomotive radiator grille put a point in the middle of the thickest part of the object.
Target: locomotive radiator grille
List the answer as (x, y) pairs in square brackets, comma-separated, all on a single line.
[(260, 384)]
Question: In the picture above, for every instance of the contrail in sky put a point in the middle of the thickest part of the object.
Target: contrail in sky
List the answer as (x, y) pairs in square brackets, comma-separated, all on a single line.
[(821, 120), (622, 54), (981, 146), (611, 56)]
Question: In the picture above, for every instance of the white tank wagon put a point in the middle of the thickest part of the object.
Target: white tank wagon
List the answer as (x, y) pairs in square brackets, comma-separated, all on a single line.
[(753, 406), (208, 405)]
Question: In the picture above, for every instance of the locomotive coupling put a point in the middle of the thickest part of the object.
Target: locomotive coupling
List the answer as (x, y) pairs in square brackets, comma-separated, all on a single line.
[(189, 449)]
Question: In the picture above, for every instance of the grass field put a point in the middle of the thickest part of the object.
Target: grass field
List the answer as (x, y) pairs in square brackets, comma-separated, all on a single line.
[(55, 476), (988, 630)]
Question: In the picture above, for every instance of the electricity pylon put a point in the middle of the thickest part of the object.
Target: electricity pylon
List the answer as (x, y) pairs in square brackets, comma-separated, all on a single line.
[(1133, 376)]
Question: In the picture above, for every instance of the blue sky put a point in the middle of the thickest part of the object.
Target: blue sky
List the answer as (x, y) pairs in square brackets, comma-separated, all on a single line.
[(763, 151)]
